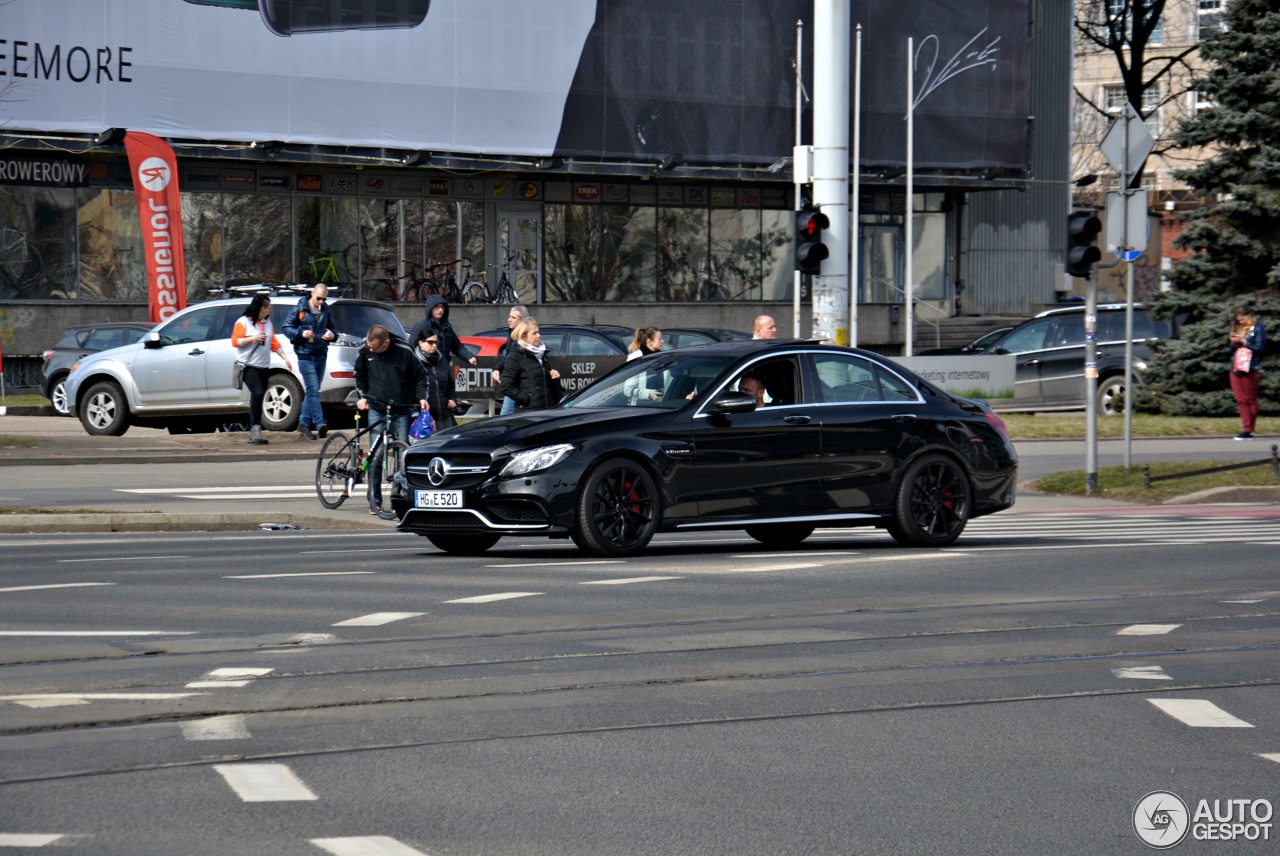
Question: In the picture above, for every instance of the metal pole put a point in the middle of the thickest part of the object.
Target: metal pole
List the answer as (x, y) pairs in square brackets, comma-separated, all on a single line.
[(1128, 368), (909, 269), (1091, 385), (855, 202), (797, 279), (831, 34)]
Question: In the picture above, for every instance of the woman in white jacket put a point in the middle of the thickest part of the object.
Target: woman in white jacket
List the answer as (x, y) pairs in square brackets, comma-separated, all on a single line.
[(254, 339)]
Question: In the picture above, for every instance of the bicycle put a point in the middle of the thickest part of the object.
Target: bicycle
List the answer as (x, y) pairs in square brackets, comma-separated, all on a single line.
[(446, 286), (343, 464), (322, 269), (477, 290)]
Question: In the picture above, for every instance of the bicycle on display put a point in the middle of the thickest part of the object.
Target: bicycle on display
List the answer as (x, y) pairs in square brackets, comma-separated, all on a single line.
[(344, 464), (478, 290), (446, 285)]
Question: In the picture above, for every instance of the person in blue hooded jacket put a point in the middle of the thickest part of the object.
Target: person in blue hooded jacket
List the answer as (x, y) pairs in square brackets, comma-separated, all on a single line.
[(437, 319), (310, 329)]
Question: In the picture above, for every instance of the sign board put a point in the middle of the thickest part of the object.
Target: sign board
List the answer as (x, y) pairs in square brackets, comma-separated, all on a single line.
[(1127, 223), (973, 377), (1127, 142)]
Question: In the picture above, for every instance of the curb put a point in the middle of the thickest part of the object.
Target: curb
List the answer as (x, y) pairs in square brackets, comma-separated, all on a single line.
[(161, 522)]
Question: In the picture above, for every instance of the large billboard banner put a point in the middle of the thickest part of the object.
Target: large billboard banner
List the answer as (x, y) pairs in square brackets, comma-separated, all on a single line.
[(708, 81)]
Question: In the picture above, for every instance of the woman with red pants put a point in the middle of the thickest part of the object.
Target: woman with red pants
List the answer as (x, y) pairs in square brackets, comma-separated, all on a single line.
[(1248, 338)]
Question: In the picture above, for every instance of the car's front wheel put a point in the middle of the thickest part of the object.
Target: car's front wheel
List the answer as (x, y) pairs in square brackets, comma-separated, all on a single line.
[(104, 411), (470, 544), (282, 403), (617, 510), (780, 535), (932, 504), (1111, 396), (58, 397)]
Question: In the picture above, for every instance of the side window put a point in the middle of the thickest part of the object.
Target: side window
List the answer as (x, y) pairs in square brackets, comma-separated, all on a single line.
[(780, 377), (894, 388), (195, 326), (1030, 337), (843, 379), (1069, 331), (102, 340), (585, 345), (1111, 326)]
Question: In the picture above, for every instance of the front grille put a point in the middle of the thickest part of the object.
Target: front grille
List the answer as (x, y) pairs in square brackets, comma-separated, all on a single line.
[(451, 520), (478, 464), (516, 511)]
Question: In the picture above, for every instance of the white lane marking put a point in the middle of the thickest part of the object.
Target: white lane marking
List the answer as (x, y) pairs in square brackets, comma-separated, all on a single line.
[(1147, 629), (795, 554), (489, 598), (230, 727), (560, 564), (369, 845), (211, 685), (309, 574), (97, 633), (259, 495), (61, 699), (239, 672), (216, 489), (376, 619), (368, 550), (264, 782), (1270, 756), (27, 839), (118, 559), (755, 570), (628, 581), (1142, 673), (1259, 600), (55, 586), (1198, 713)]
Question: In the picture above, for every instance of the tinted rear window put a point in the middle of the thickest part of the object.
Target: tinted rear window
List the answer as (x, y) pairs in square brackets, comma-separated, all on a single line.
[(355, 319)]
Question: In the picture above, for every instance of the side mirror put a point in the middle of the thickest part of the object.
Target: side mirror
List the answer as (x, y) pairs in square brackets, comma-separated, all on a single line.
[(734, 402), (152, 340)]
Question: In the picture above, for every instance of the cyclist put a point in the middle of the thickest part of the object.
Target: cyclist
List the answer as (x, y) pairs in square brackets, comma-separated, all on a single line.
[(387, 373), (437, 318), (310, 329)]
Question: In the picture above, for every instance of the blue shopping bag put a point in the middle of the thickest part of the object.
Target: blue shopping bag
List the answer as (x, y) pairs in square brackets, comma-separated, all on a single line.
[(421, 428)]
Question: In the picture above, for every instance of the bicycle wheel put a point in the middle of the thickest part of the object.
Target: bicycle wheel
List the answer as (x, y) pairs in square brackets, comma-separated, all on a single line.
[(475, 292), (336, 469), (389, 471)]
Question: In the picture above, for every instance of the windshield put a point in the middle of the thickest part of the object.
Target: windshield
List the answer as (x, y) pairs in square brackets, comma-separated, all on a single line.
[(664, 380)]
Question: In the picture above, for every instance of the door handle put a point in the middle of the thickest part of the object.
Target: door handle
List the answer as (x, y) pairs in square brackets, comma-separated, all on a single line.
[(797, 420), (1032, 363), (194, 353), (903, 417)]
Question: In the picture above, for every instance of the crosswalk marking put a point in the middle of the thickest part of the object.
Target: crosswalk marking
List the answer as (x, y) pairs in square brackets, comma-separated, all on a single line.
[(28, 839), (1142, 673), (1198, 713), (628, 581), (264, 782), (35, 700), (489, 598), (1271, 756), (308, 574), (230, 727), (54, 586), (376, 619), (1147, 629), (371, 845)]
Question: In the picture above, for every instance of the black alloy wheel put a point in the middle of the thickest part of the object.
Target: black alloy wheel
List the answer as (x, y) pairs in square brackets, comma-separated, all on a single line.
[(617, 510), (932, 503)]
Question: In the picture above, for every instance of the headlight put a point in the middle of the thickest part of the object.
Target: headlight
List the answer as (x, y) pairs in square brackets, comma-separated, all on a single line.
[(536, 459)]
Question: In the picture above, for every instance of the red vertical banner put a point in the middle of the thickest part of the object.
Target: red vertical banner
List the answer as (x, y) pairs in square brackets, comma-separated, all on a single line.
[(155, 185)]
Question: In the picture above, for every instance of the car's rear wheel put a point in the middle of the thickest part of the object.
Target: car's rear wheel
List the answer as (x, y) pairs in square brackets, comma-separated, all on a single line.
[(282, 403), (105, 412), (781, 534), (932, 504), (58, 396), (469, 544), (1111, 395), (617, 510)]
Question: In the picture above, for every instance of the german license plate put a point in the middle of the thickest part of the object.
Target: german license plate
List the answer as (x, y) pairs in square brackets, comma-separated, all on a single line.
[(438, 499)]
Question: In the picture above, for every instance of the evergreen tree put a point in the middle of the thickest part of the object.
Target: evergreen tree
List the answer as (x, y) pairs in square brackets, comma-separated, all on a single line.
[(1236, 239)]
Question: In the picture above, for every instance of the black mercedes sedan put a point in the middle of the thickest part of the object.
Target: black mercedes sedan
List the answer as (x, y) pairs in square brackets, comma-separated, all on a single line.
[(775, 438)]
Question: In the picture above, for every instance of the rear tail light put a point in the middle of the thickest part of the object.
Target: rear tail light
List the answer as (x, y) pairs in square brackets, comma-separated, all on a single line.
[(998, 424), (343, 375), (47, 355)]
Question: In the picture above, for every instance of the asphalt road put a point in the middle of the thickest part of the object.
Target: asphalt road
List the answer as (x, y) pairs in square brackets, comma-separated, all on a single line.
[(357, 692)]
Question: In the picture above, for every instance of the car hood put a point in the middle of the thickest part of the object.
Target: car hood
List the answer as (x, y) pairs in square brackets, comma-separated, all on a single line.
[(532, 428)]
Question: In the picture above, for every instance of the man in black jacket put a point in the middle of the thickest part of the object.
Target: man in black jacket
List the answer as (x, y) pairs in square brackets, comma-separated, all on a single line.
[(437, 318), (387, 373)]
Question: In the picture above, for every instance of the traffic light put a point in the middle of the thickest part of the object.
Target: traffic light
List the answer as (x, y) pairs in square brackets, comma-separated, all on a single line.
[(810, 251), (1082, 248)]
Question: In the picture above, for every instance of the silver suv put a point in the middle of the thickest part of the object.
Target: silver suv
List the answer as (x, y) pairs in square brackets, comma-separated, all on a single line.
[(179, 375)]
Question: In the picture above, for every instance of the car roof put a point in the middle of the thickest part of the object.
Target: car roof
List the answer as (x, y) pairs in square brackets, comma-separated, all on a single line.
[(1080, 307)]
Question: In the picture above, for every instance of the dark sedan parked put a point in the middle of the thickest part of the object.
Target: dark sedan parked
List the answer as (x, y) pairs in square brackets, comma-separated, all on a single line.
[(669, 442), (79, 342)]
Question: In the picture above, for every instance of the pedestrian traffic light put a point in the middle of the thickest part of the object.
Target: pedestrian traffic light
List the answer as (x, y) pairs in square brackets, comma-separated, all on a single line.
[(810, 251), (1082, 237)]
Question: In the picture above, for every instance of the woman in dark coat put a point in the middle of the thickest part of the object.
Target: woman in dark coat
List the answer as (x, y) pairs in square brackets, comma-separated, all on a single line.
[(526, 375), (441, 394)]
